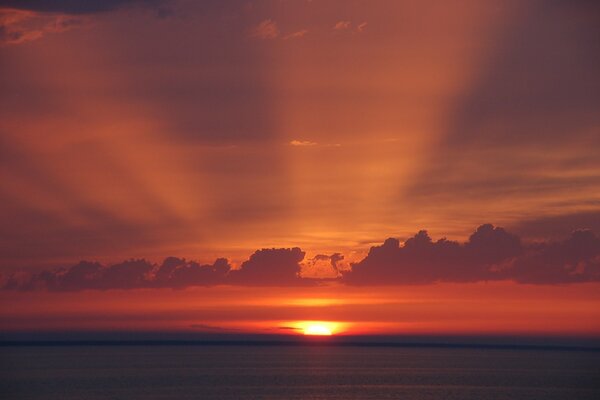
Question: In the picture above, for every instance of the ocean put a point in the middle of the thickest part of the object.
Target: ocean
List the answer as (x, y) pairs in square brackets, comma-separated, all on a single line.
[(295, 372)]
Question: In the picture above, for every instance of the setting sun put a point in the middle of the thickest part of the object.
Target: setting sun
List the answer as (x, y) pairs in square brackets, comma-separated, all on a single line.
[(318, 328)]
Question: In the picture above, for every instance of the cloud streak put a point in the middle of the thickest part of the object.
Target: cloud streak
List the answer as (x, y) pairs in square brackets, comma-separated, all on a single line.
[(342, 25), (490, 254), (302, 143), (267, 29), (27, 20), (296, 35), (20, 26), (75, 7)]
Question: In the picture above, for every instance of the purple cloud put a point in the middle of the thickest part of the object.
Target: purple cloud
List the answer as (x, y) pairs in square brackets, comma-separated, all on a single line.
[(490, 253)]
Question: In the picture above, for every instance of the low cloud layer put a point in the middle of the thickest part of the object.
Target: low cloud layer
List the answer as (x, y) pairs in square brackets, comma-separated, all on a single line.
[(266, 267), (491, 253), (271, 267)]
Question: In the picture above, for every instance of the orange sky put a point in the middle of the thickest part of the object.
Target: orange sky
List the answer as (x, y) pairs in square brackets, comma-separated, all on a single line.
[(492, 308), (213, 129)]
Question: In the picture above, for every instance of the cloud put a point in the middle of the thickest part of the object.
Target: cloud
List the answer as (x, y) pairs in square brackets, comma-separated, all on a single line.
[(490, 253), (179, 273), (271, 267), (131, 274), (26, 20), (128, 274), (302, 143), (266, 267), (288, 328), (267, 29), (18, 26), (296, 35), (361, 27), (576, 259), (213, 328), (342, 25), (74, 7)]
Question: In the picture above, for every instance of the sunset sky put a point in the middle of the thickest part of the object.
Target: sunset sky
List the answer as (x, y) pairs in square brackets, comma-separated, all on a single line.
[(288, 140)]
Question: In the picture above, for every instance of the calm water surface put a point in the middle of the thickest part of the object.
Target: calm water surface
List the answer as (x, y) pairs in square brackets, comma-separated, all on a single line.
[(246, 372)]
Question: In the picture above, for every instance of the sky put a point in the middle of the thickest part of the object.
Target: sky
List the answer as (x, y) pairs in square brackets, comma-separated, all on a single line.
[(243, 166)]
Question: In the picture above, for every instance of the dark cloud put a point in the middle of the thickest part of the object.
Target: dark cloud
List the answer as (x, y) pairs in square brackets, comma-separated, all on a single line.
[(74, 6), (576, 259), (83, 275), (288, 328), (490, 245), (130, 274), (266, 267), (271, 267), (212, 328), (489, 254), (179, 273)]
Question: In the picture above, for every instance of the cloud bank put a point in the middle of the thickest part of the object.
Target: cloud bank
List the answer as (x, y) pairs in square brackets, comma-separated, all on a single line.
[(491, 253)]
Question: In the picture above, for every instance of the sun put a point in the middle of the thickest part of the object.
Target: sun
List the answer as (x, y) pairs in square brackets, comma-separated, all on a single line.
[(317, 330)]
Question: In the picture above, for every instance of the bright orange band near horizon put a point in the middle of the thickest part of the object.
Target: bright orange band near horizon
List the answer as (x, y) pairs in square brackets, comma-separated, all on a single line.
[(500, 308)]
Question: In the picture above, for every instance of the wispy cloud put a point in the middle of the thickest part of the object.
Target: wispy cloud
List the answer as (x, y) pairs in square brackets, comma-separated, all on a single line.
[(20, 26), (296, 35), (78, 7), (267, 29), (213, 328), (25, 21), (302, 143), (342, 25)]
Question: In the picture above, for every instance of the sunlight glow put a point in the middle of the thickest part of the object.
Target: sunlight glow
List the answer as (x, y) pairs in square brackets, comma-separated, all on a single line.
[(318, 328)]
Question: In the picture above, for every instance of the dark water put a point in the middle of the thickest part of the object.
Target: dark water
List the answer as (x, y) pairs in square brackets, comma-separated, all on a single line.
[(280, 372)]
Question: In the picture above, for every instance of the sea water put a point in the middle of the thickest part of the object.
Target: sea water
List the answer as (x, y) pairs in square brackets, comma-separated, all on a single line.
[(295, 372)]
